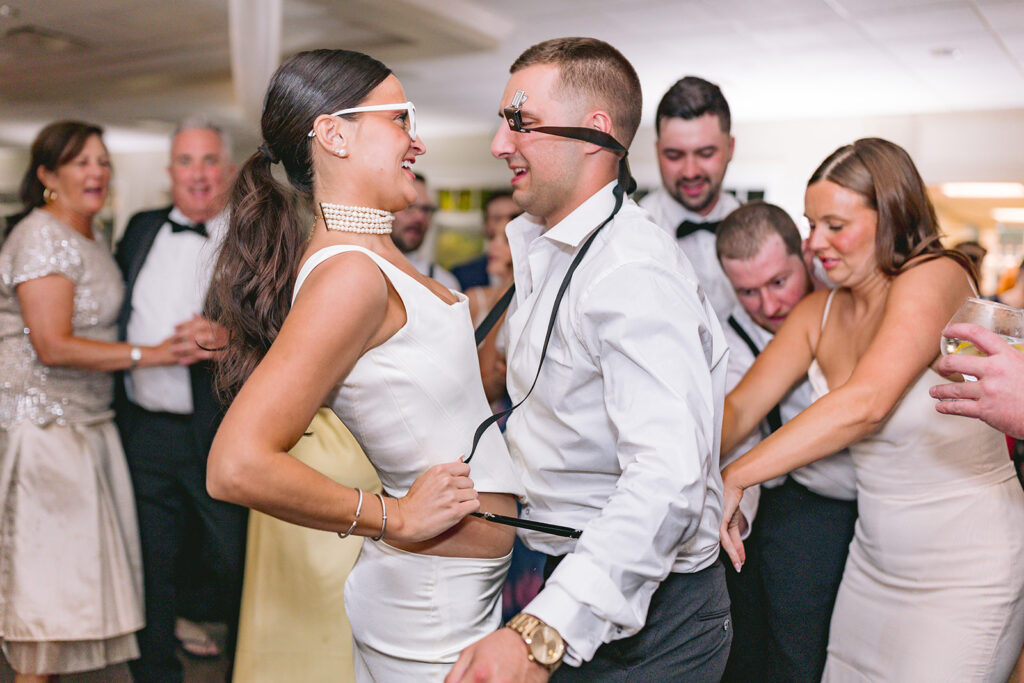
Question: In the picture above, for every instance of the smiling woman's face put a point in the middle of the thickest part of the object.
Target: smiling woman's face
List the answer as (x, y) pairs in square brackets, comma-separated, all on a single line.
[(843, 231), (82, 183)]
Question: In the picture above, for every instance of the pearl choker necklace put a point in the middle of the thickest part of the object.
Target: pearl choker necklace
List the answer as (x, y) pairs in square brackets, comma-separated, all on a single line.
[(357, 219)]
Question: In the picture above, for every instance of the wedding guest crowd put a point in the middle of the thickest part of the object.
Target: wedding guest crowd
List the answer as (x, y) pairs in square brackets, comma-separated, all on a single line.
[(731, 453), (168, 415)]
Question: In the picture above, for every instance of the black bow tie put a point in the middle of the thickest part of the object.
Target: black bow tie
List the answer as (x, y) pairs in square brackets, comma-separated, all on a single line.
[(198, 228), (689, 227)]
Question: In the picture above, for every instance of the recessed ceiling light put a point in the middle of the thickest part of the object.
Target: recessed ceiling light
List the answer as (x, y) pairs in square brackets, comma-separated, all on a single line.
[(953, 53), (1012, 215), (983, 190)]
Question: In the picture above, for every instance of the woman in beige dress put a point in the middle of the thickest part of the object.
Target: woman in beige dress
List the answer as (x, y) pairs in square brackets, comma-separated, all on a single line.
[(70, 574), (293, 625), (932, 589)]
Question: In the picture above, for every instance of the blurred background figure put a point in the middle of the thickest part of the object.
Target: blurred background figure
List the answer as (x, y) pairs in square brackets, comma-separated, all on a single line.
[(974, 252), (498, 210), (168, 416), (293, 625), (410, 230), (70, 566), (1014, 295), (496, 259)]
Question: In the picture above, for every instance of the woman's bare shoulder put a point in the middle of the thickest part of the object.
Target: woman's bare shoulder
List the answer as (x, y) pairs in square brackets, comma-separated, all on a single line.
[(348, 274), (942, 276)]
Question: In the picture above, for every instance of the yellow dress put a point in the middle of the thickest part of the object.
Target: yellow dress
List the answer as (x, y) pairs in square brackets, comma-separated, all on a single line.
[(293, 625)]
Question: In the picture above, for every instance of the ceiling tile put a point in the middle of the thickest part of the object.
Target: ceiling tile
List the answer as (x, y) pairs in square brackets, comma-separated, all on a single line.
[(857, 8), (927, 22), (1004, 16)]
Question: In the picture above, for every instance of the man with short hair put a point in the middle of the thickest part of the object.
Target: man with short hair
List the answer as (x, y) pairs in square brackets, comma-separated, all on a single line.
[(168, 415), (620, 436), (782, 601), (410, 229), (694, 146), (498, 210)]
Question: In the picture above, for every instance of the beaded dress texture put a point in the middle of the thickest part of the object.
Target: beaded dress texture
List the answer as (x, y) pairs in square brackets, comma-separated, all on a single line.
[(70, 567)]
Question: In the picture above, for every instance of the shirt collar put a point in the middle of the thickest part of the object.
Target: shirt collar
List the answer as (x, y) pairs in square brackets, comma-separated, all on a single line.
[(571, 230), (216, 227), (178, 216), (575, 227), (676, 213)]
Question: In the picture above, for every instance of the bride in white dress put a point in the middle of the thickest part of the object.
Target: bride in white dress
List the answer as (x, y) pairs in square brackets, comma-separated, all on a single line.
[(389, 350), (933, 585)]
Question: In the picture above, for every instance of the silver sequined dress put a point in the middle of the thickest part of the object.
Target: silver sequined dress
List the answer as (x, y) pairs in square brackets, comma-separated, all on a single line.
[(70, 567)]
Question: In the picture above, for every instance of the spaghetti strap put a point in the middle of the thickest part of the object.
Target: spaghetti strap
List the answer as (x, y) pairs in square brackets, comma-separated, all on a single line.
[(974, 288), (828, 307)]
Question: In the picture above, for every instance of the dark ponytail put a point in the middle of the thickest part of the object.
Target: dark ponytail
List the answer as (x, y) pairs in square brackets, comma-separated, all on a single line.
[(252, 285)]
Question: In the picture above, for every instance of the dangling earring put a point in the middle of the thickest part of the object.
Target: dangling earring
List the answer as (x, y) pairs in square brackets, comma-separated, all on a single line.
[(340, 152), (49, 196)]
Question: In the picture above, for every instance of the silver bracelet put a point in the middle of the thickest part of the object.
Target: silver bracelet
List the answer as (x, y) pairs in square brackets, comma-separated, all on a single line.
[(359, 508), (384, 518)]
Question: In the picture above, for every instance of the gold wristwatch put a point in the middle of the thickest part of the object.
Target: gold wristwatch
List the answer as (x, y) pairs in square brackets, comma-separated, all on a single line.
[(543, 644)]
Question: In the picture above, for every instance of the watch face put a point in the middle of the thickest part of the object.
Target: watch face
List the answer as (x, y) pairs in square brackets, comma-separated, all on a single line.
[(546, 645)]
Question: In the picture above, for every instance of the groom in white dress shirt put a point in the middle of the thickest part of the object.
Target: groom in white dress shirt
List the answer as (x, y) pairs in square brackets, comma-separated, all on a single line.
[(620, 438)]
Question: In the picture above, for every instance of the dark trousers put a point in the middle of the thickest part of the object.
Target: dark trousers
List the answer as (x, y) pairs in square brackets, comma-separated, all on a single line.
[(685, 638), (782, 600), (169, 477)]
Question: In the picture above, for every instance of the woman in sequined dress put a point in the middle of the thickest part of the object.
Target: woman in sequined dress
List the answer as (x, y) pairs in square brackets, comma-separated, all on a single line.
[(70, 574)]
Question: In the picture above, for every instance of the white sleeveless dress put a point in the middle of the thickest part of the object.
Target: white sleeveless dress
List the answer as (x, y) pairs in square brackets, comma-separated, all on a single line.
[(413, 402), (933, 585)]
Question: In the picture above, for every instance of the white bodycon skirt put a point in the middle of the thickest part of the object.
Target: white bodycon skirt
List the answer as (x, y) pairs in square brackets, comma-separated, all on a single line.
[(413, 614)]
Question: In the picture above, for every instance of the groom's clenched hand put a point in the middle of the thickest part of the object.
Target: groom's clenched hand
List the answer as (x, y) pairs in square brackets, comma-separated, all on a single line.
[(499, 658)]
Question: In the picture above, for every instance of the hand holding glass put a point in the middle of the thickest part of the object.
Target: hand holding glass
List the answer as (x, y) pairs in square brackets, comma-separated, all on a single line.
[(1006, 321)]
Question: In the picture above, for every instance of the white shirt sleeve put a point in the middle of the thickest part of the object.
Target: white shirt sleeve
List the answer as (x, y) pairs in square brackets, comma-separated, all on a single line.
[(646, 330)]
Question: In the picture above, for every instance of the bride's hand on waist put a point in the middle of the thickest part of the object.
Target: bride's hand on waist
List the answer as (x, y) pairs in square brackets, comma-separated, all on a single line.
[(731, 531), (439, 499)]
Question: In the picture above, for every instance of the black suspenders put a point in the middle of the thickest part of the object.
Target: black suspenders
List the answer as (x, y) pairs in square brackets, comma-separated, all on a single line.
[(775, 414)]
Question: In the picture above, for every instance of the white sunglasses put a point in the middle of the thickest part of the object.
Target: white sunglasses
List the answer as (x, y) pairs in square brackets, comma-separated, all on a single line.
[(404, 106)]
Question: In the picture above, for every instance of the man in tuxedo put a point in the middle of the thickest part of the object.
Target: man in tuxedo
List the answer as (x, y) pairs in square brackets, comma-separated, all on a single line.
[(796, 549), (168, 415), (410, 229), (498, 210), (694, 146)]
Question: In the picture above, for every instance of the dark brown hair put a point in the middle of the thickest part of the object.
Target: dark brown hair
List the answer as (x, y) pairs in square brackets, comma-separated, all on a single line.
[(54, 146), (690, 98), (597, 71), (885, 176), (744, 231), (255, 273)]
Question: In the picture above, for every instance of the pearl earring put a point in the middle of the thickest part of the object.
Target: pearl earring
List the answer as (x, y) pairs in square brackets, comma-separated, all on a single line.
[(340, 152)]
